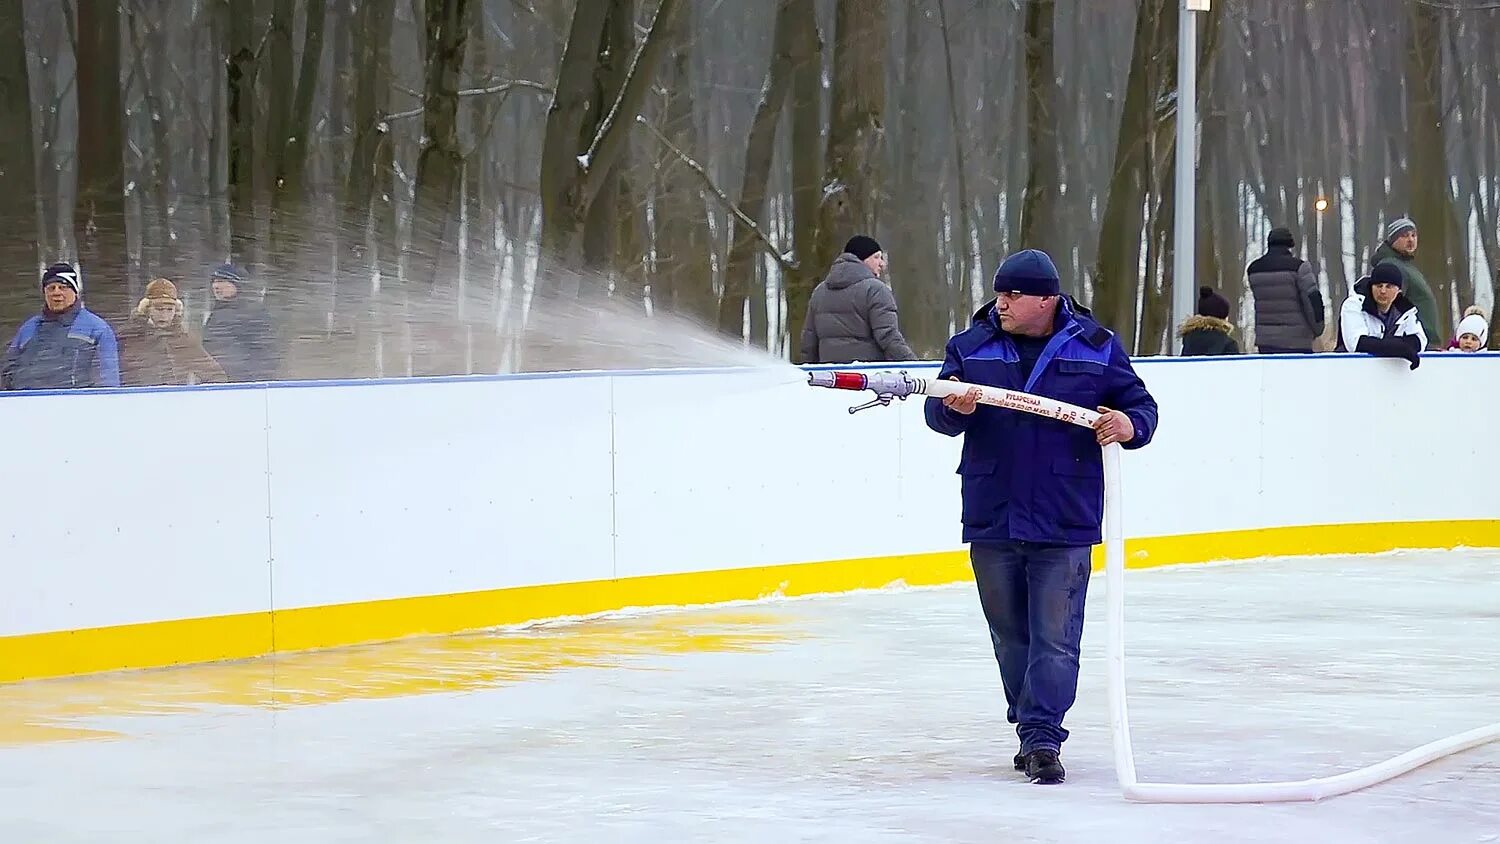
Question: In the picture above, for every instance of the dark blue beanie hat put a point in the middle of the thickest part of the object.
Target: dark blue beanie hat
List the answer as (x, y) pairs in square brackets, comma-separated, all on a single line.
[(1029, 271)]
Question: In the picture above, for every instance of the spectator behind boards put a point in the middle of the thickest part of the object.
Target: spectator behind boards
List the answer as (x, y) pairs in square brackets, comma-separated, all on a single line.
[(852, 313), (156, 348), (1399, 249), (1209, 332), (66, 345), (1378, 319), (1473, 331), (1288, 305), (239, 333)]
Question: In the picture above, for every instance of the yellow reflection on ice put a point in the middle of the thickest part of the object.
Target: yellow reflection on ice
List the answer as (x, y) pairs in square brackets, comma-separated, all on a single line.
[(48, 711)]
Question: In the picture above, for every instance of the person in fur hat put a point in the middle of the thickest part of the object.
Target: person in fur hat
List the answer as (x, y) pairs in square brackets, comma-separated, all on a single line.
[(1473, 331), (156, 348), (1209, 331)]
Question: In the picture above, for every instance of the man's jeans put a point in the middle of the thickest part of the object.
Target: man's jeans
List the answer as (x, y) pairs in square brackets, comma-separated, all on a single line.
[(1033, 597)]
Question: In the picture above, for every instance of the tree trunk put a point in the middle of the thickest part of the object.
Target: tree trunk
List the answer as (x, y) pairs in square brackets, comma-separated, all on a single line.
[(1117, 274), (18, 194), (1040, 225), (434, 237), (807, 165), (100, 206), (295, 126), (370, 45), (601, 226), (760, 152), (241, 67), (295, 290), (921, 292), (1427, 158), (577, 156), (855, 134), (684, 248)]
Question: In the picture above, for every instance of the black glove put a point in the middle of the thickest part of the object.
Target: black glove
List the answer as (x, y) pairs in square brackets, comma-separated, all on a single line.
[(1411, 349), (1406, 348)]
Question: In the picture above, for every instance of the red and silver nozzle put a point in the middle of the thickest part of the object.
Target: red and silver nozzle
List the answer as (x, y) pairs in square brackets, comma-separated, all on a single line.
[(838, 380), (886, 385)]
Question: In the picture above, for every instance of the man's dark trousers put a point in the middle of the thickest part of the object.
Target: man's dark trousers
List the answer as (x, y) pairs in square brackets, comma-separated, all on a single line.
[(1033, 598)]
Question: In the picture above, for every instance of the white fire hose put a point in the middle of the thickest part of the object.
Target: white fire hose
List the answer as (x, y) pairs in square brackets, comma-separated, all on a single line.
[(888, 386)]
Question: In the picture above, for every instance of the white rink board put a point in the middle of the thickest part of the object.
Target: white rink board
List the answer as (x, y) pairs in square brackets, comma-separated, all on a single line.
[(739, 471), (432, 488), (134, 506)]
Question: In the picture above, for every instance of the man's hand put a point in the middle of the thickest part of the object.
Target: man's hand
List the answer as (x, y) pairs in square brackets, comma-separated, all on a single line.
[(1113, 427), (965, 403)]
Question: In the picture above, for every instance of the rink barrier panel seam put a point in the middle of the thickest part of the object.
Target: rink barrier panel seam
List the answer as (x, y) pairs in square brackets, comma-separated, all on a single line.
[(160, 644)]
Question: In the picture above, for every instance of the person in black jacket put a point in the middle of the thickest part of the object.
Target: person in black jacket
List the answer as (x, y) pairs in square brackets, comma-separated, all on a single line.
[(239, 332), (851, 315), (1289, 315), (1209, 332)]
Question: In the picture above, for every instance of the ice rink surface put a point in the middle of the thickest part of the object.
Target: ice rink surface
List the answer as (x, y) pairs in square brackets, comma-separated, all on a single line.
[(866, 717)]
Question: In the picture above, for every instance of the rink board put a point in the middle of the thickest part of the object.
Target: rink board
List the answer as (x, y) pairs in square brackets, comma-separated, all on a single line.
[(191, 525)]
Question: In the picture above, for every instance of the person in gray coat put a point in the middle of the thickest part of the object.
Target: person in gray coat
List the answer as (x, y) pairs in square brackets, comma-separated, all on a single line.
[(852, 313), (1288, 305)]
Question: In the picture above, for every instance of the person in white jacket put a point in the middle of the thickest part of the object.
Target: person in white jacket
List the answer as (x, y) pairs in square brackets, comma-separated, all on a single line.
[(1378, 319)]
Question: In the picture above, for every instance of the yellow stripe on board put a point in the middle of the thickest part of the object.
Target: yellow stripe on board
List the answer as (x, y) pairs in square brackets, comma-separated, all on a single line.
[(164, 643), (149, 645)]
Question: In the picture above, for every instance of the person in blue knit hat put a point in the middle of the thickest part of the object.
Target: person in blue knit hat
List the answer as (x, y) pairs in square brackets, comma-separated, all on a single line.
[(1032, 488), (240, 333)]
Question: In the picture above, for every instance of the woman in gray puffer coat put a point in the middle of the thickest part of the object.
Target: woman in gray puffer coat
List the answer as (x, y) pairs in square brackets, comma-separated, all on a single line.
[(852, 313)]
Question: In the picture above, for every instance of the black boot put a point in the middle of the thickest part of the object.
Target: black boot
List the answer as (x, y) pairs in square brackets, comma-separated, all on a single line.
[(1043, 767), (1020, 761)]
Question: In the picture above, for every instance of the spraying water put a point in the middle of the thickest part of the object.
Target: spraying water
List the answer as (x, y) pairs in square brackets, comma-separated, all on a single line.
[(346, 305)]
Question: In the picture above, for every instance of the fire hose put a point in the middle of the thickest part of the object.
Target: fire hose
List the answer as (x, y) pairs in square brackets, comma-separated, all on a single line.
[(889, 386)]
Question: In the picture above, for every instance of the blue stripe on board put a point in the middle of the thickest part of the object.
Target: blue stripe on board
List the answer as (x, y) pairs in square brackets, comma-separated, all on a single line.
[(640, 373)]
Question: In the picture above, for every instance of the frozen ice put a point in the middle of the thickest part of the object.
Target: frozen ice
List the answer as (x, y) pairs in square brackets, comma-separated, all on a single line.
[(875, 716)]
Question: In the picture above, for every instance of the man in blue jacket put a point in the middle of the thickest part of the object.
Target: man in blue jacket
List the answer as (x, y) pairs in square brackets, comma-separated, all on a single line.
[(1033, 488), (66, 345)]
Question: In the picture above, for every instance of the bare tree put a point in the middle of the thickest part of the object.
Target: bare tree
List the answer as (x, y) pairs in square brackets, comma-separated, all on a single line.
[(579, 153), (1431, 202), (1116, 277), (1040, 227), (242, 67), (100, 207), (18, 208), (760, 150), (807, 161)]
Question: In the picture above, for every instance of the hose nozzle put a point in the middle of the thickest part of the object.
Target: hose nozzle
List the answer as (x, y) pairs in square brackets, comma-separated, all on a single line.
[(885, 385)]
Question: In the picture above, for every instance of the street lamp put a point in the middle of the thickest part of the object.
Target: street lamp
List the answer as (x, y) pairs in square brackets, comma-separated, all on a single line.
[(1184, 290)]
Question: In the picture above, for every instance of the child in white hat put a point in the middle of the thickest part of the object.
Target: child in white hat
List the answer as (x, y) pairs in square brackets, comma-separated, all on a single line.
[(1473, 331)]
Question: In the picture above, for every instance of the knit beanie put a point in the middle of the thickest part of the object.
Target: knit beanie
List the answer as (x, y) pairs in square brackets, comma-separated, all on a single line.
[(1029, 272), (1281, 236), (1474, 323), (862, 246), (1211, 304), (230, 272), (1398, 228), (66, 274), (1387, 273)]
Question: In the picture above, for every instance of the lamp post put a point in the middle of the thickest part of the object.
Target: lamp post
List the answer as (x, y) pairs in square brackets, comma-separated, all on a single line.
[(1184, 290)]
